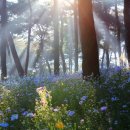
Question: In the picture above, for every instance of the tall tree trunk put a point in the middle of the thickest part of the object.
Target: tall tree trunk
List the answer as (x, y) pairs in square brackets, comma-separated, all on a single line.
[(127, 27), (29, 38), (3, 40), (15, 56), (90, 57), (39, 51), (107, 58), (48, 65), (103, 55), (56, 38), (118, 30), (13, 68), (61, 44), (76, 34)]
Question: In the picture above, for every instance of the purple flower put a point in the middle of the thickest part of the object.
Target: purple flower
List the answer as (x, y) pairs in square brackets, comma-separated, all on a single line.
[(71, 113), (103, 108), (4, 125), (118, 68)]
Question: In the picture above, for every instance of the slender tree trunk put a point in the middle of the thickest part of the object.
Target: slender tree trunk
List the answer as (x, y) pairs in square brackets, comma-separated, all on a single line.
[(76, 33), (127, 27), (115, 59), (118, 30), (56, 38), (29, 38), (107, 58), (61, 45), (39, 52), (15, 56), (3, 40), (102, 63), (13, 68), (48, 65), (90, 57)]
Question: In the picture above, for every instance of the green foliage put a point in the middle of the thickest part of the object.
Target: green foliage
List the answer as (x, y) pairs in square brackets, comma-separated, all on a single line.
[(71, 104)]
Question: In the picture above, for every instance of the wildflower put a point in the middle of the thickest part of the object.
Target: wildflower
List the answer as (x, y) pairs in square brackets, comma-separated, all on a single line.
[(71, 113), (56, 110), (25, 113), (43, 102), (1, 113), (8, 110), (66, 101), (30, 115), (128, 80), (114, 99), (59, 125), (102, 100), (4, 125), (81, 102), (40, 89), (124, 106), (118, 68), (14, 117), (104, 108), (81, 121), (110, 128), (116, 122), (1, 97), (95, 110), (84, 98)]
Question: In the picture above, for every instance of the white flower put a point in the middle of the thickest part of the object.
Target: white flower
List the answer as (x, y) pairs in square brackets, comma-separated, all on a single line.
[(30, 115), (81, 102)]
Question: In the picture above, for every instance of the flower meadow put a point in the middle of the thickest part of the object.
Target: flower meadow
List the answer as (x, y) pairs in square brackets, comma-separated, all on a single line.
[(68, 103)]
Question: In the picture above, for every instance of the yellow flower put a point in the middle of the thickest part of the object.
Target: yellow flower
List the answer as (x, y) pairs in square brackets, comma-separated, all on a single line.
[(59, 125)]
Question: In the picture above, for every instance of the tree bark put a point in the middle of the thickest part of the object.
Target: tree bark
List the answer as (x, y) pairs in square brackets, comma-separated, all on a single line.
[(90, 64), (118, 29), (102, 61), (3, 40), (107, 58), (13, 68), (15, 56), (56, 39), (29, 38), (61, 45), (127, 27), (76, 34)]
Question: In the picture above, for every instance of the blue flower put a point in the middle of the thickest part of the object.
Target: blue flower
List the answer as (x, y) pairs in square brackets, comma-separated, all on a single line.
[(71, 113), (128, 80), (103, 108), (25, 113), (4, 125), (14, 117), (114, 99), (84, 98)]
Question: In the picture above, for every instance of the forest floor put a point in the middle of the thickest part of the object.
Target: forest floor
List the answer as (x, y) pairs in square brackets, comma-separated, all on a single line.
[(67, 103)]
